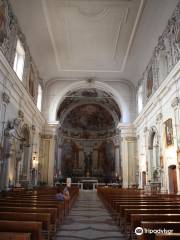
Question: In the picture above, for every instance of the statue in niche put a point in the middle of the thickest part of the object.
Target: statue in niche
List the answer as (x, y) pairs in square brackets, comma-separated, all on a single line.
[(88, 164)]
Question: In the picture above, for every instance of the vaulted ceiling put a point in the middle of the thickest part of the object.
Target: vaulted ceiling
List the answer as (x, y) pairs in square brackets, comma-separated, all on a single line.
[(103, 39)]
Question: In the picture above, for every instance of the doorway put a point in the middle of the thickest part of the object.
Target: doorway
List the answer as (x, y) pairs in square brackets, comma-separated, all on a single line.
[(172, 179), (143, 179)]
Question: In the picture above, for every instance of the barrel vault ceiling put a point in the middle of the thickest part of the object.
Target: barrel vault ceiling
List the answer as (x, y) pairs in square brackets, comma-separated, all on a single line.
[(102, 39)]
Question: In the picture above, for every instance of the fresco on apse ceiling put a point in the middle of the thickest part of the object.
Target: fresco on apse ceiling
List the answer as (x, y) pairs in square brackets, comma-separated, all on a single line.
[(91, 117), (84, 96)]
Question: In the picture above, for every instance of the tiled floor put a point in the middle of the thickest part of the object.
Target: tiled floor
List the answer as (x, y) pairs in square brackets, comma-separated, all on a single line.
[(89, 219)]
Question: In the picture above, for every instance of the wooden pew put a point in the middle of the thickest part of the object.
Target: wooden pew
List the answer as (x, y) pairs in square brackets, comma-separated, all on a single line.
[(174, 226), (139, 203), (142, 206), (51, 211), (35, 228), (36, 205), (136, 220), (14, 236), (44, 218), (168, 236)]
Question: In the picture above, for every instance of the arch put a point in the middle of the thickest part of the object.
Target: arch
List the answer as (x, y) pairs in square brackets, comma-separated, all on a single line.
[(115, 117), (56, 101), (153, 135), (154, 154)]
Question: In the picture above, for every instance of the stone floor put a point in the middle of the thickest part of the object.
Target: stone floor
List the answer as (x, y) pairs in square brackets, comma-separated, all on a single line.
[(89, 219)]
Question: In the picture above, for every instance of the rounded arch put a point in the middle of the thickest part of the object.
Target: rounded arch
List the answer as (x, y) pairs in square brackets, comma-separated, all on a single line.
[(115, 117), (57, 100), (153, 136), (154, 154)]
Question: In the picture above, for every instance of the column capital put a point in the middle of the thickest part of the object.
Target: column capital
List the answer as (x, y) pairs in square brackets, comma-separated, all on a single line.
[(145, 129), (46, 136), (159, 117), (131, 138)]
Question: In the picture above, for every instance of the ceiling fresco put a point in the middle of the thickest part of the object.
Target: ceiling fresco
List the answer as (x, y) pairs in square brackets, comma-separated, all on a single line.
[(88, 96), (89, 117)]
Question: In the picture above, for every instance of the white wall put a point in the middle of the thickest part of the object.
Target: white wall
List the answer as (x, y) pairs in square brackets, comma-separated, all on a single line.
[(156, 112), (19, 100)]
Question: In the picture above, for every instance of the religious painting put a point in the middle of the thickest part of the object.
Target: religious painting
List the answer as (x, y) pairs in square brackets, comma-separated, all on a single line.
[(149, 82), (31, 82), (89, 117), (2, 22), (91, 95), (178, 156), (169, 132)]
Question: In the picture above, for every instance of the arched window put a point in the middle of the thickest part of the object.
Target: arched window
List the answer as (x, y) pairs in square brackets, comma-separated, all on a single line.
[(140, 98), (39, 98), (19, 60)]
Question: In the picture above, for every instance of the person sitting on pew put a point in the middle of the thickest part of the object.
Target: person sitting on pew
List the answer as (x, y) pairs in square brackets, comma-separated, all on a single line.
[(60, 195), (66, 193)]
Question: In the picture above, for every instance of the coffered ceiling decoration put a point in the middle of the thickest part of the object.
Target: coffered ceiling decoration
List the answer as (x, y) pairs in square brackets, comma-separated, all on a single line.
[(102, 39), (91, 36)]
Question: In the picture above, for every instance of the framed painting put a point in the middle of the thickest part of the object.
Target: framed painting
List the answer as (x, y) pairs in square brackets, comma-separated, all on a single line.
[(31, 82), (149, 82), (169, 132)]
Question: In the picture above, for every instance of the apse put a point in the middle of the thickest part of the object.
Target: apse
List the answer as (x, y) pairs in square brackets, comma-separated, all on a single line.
[(86, 137)]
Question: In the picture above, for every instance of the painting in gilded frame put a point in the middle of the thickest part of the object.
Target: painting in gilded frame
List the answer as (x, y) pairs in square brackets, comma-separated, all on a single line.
[(169, 132)]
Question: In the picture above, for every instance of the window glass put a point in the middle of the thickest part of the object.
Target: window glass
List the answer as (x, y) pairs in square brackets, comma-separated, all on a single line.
[(19, 60), (39, 98), (140, 99)]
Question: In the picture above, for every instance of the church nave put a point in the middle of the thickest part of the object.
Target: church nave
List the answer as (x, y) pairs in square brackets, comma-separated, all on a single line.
[(89, 219)]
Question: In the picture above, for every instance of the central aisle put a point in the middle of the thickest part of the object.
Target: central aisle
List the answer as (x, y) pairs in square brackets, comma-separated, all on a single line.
[(89, 219)]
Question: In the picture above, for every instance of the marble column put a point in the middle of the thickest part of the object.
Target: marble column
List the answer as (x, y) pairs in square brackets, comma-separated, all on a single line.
[(48, 161), (128, 154), (5, 100), (59, 158), (117, 161), (161, 164), (117, 155)]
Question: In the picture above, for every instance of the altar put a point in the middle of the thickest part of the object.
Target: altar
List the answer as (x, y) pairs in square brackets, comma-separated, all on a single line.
[(88, 183)]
